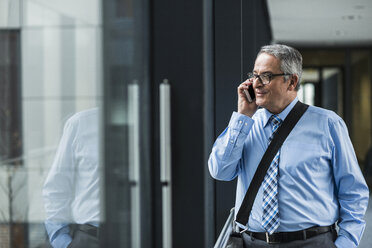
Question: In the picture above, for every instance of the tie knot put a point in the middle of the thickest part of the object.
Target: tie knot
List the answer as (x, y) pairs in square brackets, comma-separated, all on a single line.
[(275, 120)]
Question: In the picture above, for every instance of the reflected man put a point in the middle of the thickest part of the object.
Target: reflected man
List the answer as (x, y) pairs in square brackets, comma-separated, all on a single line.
[(71, 190)]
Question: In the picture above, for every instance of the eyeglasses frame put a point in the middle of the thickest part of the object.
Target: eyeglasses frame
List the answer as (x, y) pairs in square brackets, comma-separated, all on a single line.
[(253, 76)]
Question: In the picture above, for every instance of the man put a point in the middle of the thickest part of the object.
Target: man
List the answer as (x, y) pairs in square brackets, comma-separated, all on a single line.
[(315, 178), (71, 190)]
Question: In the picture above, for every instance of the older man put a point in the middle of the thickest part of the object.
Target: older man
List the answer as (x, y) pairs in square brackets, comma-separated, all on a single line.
[(315, 180)]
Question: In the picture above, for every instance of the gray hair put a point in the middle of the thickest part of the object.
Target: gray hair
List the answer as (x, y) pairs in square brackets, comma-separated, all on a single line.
[(290, 59)]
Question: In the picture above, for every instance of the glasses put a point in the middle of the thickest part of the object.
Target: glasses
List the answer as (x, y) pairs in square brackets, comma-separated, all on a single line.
[(265, 78)]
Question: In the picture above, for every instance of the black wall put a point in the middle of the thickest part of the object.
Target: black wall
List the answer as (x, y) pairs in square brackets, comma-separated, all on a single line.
[(241, 28), (177, 46)]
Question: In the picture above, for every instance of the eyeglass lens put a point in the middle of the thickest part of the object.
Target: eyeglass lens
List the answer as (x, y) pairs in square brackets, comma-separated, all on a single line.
[(264, 78)]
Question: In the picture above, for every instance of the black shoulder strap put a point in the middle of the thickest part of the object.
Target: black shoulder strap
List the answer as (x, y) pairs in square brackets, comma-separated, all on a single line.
[(245, 209)]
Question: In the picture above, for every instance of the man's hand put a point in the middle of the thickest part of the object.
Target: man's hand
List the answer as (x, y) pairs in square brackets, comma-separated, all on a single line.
[(245, 107)]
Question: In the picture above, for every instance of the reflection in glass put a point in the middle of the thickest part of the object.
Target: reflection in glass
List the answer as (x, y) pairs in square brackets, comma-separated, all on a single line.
[(53, 71), (126, 125), (71, 191), (134, 161), (10, 13), (13, 174)]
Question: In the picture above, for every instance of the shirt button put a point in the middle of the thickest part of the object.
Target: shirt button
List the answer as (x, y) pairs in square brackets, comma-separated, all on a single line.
[(246, 124), (232, 141)]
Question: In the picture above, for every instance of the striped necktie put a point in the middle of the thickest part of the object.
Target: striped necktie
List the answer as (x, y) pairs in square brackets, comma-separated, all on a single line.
[(270, 206)]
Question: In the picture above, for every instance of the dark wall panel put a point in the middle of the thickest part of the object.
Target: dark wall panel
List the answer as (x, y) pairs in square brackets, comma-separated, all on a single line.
[(178, 56), (241, 28), (228, 56), (256, 32)]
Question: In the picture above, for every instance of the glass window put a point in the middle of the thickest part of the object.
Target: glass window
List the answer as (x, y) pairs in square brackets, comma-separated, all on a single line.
[(54, 181), (126, 126), (10, 14), (51, 86), (13, 174)]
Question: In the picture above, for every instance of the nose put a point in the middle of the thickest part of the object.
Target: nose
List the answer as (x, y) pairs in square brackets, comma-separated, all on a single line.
[(257, 82)]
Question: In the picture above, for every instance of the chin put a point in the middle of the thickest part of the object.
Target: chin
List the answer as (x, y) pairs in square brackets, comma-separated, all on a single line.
[(260, 102)]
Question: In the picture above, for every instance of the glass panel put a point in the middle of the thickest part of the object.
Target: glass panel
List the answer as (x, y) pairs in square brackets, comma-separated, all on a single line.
[(126, 125), (13, 177), (361, 108), (49, 120), (61, 77), (61, 13), (10, 14)]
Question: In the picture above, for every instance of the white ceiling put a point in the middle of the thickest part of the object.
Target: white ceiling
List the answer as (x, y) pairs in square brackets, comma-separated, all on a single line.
[(321, 22)]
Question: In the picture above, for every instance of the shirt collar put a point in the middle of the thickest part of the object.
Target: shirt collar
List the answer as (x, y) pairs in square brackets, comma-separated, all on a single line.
[(282, 115)]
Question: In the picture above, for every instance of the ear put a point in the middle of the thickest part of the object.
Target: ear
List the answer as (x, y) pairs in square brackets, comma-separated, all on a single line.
[(293, 82)]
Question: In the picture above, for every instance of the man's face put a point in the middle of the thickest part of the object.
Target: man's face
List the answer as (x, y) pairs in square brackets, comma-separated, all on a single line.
[(276, 95)]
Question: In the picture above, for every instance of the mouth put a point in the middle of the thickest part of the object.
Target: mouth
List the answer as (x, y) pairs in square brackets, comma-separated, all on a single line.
[(260, 93)]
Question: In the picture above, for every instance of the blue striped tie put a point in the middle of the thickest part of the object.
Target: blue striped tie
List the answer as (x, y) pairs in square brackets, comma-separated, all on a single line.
[(270, 206)]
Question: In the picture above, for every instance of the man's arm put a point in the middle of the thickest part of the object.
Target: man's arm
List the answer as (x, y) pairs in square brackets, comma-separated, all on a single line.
[(352, 190), (58, 189), (227, 150), (58, 234)]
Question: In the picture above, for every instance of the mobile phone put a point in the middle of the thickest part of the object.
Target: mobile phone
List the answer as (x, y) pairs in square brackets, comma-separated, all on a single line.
[(250, 94)]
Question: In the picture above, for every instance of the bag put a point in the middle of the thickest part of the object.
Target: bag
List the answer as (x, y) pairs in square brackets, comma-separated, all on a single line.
[(229, 237)]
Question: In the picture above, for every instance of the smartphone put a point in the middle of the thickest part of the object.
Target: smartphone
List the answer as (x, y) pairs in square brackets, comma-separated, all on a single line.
[(250, 94)]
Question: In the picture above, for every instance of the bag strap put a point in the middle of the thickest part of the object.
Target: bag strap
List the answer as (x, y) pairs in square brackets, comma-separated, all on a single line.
[(245, 209)]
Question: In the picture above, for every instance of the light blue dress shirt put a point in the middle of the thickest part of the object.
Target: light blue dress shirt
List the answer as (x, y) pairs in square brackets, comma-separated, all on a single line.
[(320, 181)]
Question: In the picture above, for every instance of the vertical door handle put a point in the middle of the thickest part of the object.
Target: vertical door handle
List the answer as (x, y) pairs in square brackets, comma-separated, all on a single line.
[(134, 162), (165, 161)]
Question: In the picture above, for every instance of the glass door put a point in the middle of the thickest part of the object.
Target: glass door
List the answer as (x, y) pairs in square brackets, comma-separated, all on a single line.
[(126, 126)]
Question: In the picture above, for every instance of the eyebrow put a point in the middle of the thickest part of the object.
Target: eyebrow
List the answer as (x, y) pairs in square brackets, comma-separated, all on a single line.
[(265, 72)]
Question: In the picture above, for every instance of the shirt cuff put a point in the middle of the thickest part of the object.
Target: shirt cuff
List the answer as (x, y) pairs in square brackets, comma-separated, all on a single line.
[(241, 123), (62, 241), (344, 242)]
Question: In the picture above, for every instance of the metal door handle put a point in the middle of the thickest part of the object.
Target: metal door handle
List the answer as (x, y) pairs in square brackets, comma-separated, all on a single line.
[(134, 161), (165, 161)]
